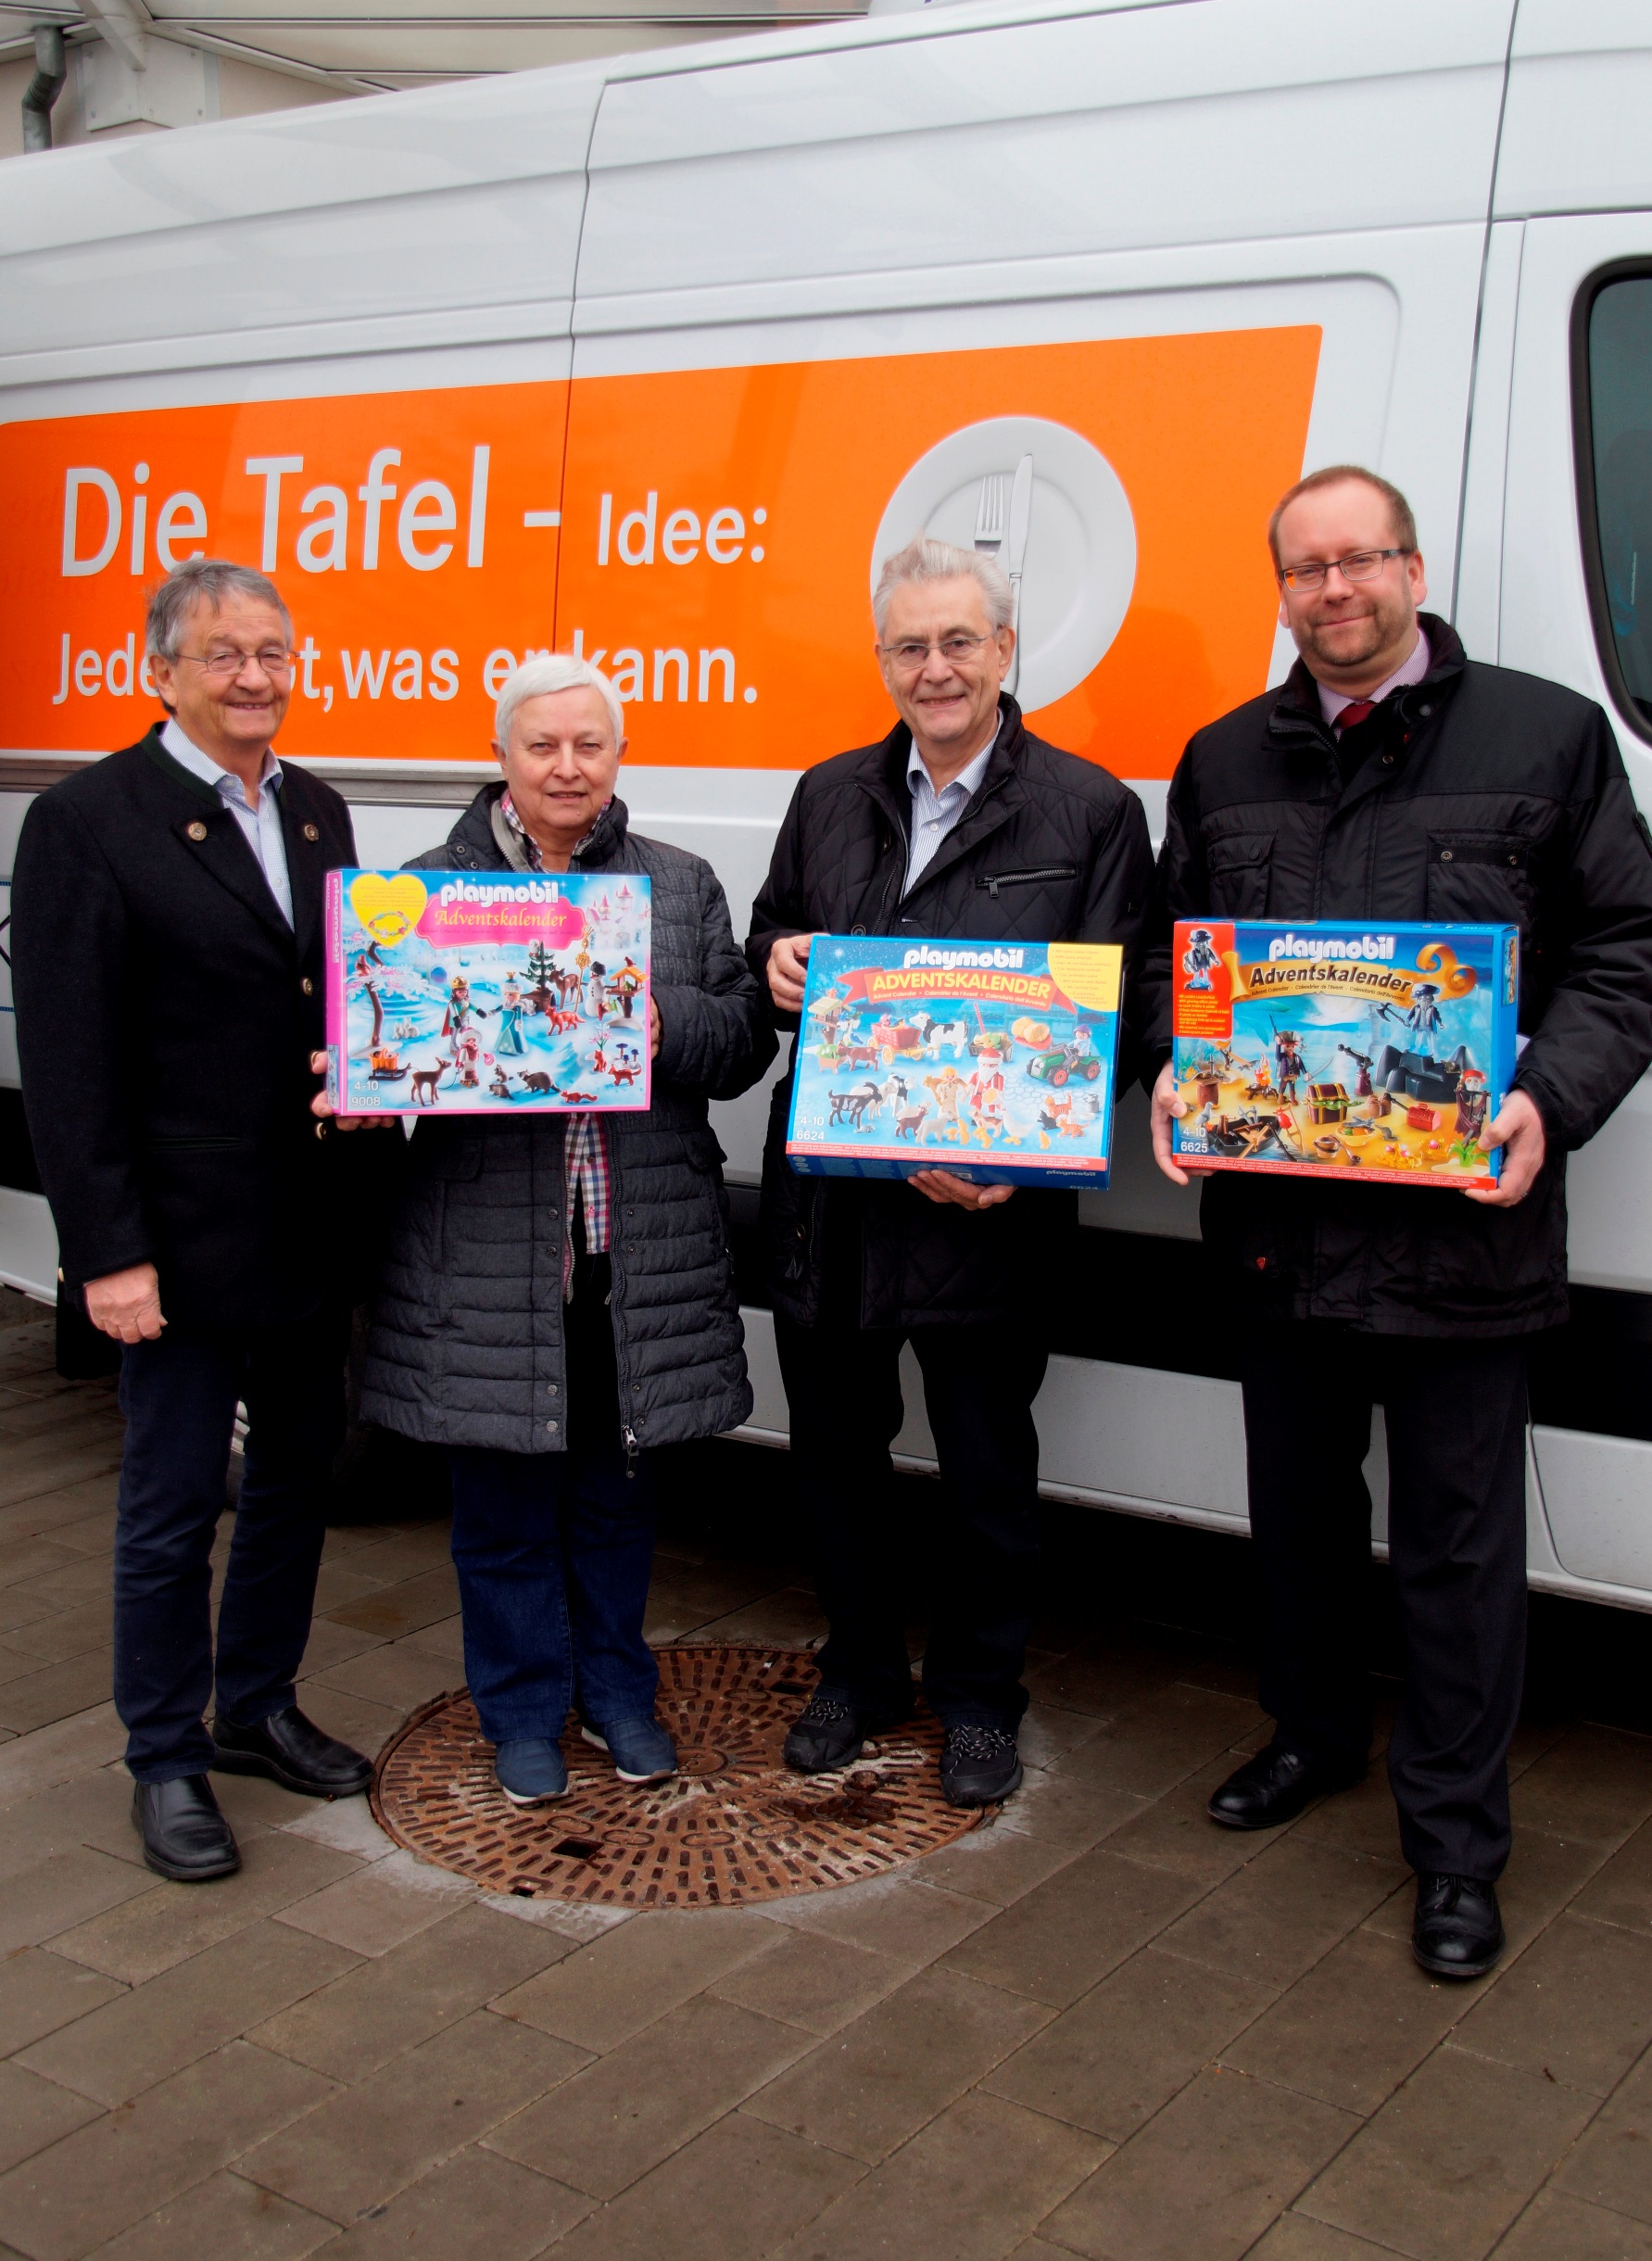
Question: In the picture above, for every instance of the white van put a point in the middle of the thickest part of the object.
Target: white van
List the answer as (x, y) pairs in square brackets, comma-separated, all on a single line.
[(655, 358)]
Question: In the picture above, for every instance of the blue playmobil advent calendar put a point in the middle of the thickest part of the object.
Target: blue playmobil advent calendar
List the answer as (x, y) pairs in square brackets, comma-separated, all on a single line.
[(993, 1060)]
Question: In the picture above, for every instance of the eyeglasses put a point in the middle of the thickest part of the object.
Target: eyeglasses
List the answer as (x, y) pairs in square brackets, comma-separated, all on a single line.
[(954, 650), (1358, 565), (224, 665)]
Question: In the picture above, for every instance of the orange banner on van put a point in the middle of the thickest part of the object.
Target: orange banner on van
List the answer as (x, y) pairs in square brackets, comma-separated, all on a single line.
[(708, 537)]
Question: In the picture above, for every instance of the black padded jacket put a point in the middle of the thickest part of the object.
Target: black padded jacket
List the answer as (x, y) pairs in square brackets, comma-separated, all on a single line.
[(466, 1345), (1488, 797), (1050, 849)]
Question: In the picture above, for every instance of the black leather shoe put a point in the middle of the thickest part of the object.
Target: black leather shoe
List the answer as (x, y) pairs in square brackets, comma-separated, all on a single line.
[(827, 1734), (980, 1765), (292, 1751), (1458, 1930), (184, 1835), (1272, 1788)]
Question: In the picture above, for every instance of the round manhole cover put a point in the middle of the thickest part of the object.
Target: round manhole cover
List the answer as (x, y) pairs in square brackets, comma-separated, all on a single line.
[(733, 1826)]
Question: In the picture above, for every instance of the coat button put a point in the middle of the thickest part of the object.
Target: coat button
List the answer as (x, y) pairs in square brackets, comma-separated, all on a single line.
[(198, 830), (857, 929), (1425, 711), (550, 1428), (308, 986), (313, 832), (1445, 855), (1515, 860), (636, 1389), (551, 1390), (1388, 761)]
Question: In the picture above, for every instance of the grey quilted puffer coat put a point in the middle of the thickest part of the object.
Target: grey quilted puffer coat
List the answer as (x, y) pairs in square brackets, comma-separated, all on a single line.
[(466, 1343)]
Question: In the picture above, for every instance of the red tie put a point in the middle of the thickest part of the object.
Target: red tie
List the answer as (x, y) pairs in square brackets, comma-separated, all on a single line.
[(1355, 712)]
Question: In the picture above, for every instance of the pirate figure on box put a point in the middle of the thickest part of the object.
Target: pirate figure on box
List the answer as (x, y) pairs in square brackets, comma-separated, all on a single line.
[(1289, 1067), (1423, 1017), (1473, 1100), (1200, 960)]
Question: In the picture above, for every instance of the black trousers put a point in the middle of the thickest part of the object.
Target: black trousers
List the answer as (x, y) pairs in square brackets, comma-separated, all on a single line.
[(1456, 1416), (179, 1396), (843, 1387)]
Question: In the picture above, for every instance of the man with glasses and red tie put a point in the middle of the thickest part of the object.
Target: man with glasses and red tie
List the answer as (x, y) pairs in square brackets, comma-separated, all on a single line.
[(959, 823), (1390, 777), (167, 975)]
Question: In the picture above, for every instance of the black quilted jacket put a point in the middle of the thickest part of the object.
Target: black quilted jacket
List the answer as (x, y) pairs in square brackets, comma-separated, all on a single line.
[(466, 1342), (1493, 797), (1050, 849)]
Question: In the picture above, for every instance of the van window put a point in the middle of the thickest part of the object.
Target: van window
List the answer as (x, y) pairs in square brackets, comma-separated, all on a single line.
[(1619, 380)]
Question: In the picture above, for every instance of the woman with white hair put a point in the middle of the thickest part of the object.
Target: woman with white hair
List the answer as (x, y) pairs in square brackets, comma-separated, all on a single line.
[(559, 1300)]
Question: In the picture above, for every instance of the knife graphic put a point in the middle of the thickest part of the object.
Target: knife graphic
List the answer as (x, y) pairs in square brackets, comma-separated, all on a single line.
[(1020, 519)]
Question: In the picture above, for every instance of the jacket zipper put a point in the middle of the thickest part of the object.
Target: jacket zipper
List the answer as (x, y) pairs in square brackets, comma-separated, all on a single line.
[(892, 902), (993, 880), (615, 1281)]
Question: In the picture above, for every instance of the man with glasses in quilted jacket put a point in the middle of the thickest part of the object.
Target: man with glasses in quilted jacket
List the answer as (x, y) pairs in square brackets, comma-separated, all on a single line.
[(1390, 777)]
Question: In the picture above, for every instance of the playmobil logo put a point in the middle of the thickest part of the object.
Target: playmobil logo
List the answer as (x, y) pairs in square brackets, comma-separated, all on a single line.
[(507, 891), (1377, 948), (997, 960)]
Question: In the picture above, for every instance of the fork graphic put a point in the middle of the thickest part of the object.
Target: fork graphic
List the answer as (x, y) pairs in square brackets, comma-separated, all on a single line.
[(990, 514)]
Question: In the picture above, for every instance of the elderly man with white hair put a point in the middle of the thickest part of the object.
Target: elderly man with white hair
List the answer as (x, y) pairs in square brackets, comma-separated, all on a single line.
[(558, 1298), (959, 823)]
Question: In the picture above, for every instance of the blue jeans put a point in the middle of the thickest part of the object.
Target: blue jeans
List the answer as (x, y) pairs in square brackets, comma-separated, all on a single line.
[(179, 1396), (553, 1552)]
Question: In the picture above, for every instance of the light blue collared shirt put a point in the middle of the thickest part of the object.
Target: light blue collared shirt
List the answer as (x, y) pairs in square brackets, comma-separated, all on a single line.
[(260, 824), (934, 815)]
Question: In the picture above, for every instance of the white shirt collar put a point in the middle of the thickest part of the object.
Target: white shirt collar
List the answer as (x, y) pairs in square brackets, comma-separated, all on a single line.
[(969, 777), (188, 755), (1411, 670)]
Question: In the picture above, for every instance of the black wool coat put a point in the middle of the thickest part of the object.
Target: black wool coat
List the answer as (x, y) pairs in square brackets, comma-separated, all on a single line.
[(1050, 849), (165, 1017), (1489, 797), (466, 1344)]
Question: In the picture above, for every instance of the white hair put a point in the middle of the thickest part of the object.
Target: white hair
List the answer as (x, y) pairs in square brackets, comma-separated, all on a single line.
[(554, 671), (923, 560)]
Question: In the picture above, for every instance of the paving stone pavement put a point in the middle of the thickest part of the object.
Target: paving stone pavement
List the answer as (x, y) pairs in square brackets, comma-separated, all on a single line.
[(1099, 2027)]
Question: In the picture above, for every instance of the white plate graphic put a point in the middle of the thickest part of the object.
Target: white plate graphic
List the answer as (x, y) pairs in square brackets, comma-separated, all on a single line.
[(1079, 565)]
